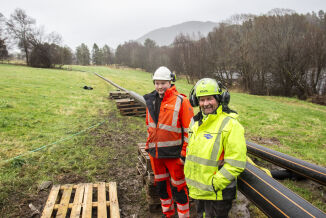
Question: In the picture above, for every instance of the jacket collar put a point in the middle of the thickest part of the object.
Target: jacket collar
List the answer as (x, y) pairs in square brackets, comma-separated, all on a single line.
[(170, 92), (200, 118)]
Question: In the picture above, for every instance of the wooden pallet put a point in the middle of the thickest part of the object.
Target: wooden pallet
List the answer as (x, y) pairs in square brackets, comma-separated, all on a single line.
[(127, 102), (133, 111), (130, 107), (119, 94), (144, 157), (83, 200)]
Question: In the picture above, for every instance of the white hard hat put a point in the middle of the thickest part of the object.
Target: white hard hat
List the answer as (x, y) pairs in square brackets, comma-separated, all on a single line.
[(163, 73)]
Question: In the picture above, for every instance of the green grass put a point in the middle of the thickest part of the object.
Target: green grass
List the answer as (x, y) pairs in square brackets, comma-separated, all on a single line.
[(42, 106)]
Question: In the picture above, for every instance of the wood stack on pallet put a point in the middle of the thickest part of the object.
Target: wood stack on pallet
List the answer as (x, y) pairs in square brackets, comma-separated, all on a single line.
[(145, 170), (119, 94), (130, 107), (127, 105), (83, 200)]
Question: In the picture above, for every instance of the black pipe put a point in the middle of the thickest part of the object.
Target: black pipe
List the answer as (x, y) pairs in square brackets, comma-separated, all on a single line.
[(274, 199), (303, 168), (286, 174)]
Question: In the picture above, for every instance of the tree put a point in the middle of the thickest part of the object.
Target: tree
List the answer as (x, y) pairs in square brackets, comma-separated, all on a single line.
[(40, 56), (97, 55), (3, 50), (50, 55), (3, 47), (67, 55), (107, 55), (83, 55), (20, 27), (2, 26), (150, 55)]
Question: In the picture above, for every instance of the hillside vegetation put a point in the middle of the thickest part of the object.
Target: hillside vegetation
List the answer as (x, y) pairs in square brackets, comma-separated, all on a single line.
[(49, 109)]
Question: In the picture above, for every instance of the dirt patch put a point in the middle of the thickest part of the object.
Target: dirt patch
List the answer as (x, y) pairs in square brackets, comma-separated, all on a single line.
[(266, 141), (123, 143), (38, 200), (319, 99), (71, 179)]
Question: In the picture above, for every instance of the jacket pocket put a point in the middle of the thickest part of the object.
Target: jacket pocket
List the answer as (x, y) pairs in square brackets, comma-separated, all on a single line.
[(215, 190)]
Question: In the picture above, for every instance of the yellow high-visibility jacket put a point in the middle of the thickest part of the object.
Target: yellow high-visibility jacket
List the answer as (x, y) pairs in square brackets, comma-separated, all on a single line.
[(216, 155)]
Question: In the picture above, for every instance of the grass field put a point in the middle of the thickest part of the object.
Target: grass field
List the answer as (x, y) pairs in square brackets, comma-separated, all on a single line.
[(42, 106)]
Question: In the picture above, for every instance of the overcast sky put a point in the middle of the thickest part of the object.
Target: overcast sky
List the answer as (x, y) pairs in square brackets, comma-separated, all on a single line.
[(114, 22)]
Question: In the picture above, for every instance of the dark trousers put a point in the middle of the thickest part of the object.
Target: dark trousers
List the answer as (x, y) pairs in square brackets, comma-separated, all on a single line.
[(213, 209)]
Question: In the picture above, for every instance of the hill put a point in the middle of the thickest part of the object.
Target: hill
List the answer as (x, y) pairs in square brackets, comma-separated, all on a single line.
[(166, 35)]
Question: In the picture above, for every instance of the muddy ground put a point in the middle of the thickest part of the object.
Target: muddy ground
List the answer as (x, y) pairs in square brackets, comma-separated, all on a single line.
[(122, 169)]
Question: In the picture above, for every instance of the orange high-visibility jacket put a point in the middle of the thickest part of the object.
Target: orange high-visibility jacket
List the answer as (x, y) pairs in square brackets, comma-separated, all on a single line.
[(168, 138)]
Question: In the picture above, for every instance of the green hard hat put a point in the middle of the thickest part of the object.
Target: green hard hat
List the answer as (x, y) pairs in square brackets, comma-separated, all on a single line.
[(207, 86)]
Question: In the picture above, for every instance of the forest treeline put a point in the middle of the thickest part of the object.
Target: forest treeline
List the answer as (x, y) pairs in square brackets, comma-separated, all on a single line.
[(279, 53)]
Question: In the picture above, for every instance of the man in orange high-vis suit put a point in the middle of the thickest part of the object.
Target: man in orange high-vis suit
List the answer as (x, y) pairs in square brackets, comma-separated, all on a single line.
[(168, 114)]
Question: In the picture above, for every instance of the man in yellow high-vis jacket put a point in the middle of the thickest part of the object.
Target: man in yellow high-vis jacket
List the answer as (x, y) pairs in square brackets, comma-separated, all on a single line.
[(216, 153)]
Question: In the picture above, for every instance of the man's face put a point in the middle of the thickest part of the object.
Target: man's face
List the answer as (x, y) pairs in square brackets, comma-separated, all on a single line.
[(208, 104), (161, 86)]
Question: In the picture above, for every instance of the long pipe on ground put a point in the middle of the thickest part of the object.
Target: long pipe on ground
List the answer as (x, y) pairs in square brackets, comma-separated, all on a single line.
[(303, 168), (112, 83), (135, 95), (274, 199)]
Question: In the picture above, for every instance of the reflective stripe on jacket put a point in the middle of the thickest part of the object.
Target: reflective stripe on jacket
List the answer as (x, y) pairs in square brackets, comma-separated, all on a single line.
[(216, 155), (168, 138)]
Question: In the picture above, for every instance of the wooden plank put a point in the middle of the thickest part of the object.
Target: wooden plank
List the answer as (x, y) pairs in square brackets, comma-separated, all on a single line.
[(62, 211), (87, 204), (76, 206), (101, 199), (94, 204), (131, 113), (124, 100), (141, 145), (118, 92), (47, 211), (140, 109), (114, 205)]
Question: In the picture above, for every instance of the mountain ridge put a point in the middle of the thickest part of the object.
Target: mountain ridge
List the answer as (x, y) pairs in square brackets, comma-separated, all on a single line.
[(166, 35)]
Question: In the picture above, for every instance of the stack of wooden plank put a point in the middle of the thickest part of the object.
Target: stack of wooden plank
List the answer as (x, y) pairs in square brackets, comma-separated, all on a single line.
[(130, 107), (127, 105), (119, 94), (145, 170), (83, 200)]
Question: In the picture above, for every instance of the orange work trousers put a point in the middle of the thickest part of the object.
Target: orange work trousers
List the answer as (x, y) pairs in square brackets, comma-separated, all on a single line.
[(166, 170)]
